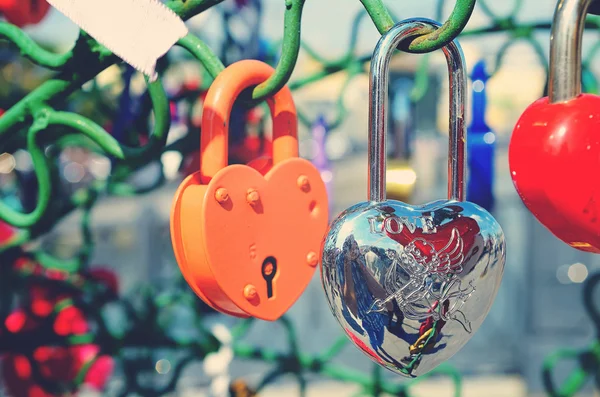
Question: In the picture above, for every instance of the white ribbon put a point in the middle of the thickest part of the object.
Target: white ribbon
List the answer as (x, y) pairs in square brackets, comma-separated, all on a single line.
[(138, 31)]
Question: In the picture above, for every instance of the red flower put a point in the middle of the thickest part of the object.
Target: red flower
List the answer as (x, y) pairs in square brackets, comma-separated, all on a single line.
[(106, 277), (7, 232), (56, 364)]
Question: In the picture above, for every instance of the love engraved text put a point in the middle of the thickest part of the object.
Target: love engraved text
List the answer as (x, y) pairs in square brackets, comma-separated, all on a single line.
[(396, 224)]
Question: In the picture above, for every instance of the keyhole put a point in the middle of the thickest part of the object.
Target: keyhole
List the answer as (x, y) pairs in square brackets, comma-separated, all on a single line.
[(269, 269), (35, 5)]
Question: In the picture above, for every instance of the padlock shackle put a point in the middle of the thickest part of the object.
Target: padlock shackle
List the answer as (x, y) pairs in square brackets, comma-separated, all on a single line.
[(564, 76), (378, 109), (216, 112)]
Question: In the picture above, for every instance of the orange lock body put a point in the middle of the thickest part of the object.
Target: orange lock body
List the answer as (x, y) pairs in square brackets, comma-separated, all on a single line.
[(24, 12), (248, 243)]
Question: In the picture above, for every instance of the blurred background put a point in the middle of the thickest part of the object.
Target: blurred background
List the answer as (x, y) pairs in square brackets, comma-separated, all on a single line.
[(155, 331)]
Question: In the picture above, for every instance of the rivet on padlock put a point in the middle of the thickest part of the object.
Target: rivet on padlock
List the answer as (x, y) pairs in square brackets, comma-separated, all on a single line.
[(250, 292), (222, 195), (312, 259), (241, 238), (411, 284), (554, 148), (304, 183), (252, 197)]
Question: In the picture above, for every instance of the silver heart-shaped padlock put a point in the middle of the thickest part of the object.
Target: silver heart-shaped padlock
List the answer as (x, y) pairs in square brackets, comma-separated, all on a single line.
[(411, 284)]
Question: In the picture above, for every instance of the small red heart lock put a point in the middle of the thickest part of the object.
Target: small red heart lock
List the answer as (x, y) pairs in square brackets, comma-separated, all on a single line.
[(554, 150), (24, 12), (246, 237)]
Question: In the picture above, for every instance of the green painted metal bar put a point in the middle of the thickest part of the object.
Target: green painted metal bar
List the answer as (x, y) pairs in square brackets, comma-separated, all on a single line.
[(431, 41), (289, 52), (31, 50)]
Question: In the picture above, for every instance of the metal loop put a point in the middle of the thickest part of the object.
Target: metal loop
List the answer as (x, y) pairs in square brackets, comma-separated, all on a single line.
[(378, 92), (432, 39), (564, 80)]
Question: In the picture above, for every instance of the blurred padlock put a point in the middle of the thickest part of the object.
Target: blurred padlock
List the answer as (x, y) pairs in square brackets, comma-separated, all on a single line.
[(401, 178), (481, 144), (239, 388)]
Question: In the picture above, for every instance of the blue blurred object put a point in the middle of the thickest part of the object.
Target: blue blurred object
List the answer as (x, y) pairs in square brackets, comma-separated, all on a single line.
[(126, 114), (320, 160), (264, 49), (402, 125), (480, 145)]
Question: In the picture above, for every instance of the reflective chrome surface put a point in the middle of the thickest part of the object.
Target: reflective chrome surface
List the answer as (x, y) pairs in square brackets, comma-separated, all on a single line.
[(564, 80), (410, 285), (378, 108)]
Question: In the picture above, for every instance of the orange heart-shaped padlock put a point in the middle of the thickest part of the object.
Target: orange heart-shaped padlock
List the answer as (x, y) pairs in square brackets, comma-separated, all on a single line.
[(24, 12), (248, 243)]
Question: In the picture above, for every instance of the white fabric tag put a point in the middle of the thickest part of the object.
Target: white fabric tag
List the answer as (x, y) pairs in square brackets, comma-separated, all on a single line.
[(138, 31)]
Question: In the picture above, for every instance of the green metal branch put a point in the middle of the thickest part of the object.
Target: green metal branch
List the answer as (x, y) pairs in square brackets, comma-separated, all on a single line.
[(31, 50), (203, 53), (46, 117), (289, 52), (187, 9), (430, 40), (86, 52)]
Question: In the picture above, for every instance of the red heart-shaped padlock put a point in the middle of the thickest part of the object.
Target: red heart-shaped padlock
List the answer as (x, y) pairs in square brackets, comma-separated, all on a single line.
[(554, 150), (248, 243)]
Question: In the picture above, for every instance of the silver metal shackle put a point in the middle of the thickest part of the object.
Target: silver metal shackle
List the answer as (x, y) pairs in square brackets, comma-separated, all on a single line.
[(378, 109), (564, 80)]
